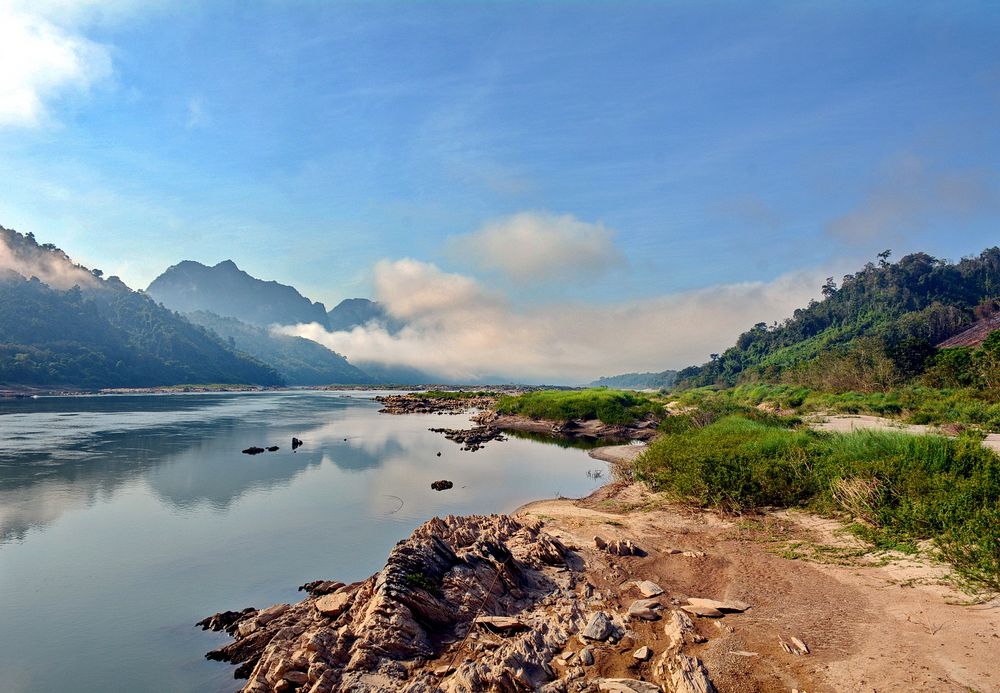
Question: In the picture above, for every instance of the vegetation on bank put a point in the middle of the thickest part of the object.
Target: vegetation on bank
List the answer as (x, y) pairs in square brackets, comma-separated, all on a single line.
[(607, 406), (917, 404), (899, 488)]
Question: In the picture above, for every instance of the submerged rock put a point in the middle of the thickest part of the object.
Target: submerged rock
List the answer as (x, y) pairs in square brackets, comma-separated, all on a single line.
[(442, 485), (253, 450), (296, 443)]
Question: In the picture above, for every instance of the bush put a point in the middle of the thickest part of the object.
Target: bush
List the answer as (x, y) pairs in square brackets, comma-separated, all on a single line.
[(608, 406)]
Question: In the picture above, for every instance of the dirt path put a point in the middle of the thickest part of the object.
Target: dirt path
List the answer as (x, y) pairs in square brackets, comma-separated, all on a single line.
[(872, 623)]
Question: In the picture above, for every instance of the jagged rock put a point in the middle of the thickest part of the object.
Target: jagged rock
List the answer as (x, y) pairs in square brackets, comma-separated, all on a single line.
[(599, 627), (624, 547), (253, 450), (724, 606), (626, 686), (296, 677), (795, 647), (442, 485), (227, 620), (678, 628), (648, 588), (683, 674), (600, 543), (296, 443), (642, 654), (646, 609), (419, 608)]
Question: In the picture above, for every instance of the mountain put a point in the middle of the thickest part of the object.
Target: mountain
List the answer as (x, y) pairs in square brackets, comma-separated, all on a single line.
[(299, 361), (62, 325), (882, 322), (228, 291), (352, 312), (637, 381)]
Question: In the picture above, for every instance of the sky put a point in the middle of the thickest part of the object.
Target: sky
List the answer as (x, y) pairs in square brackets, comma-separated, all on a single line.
[(621, 185)]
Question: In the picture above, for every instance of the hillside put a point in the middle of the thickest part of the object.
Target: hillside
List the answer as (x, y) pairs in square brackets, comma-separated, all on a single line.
[(297, 360), (637, 381), (228, 291), (880, 325), (62, 325)]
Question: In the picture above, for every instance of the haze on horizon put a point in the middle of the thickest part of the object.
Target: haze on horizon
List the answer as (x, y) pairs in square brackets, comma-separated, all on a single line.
[(545, 191)]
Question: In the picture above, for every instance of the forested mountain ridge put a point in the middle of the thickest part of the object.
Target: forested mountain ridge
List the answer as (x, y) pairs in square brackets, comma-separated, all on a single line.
[(352, 312), (889, 314), (228, 291), (637, 381), (299, 361), (62, 325)]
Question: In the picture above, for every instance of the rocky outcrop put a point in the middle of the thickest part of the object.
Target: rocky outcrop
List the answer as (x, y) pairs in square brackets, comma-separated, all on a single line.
[(416, 617), (416, 403)]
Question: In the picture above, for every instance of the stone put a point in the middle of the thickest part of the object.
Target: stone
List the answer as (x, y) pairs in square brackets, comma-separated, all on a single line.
[(724, 606), (599, 627), (796, 647), (600, 543), (702, 611), (587, 656), (648, 588), (645, 609), (642, 654), (744, 653), (688, 675), (442, 485), (626, 686), (444, 670), (500, 623), (272, 448), (295, 676), (253, 450), (693, 554), (296, 444), (333, 605), (678, 628)]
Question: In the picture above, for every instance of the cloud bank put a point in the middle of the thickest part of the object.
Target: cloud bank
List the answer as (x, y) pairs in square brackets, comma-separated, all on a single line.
[(41, 62), (460, 331), (540, 247), (54, 269)]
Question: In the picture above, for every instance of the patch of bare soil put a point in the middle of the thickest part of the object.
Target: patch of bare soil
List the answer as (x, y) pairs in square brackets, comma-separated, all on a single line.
[(871, 622)]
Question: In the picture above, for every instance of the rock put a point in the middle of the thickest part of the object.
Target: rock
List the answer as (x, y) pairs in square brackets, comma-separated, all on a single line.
[(439, 454), (678, 628), (318, 588), (642, 654), (646, 609), (600, 543), (296, 677), (227, 620), (624, 547), (688, 675), (587, 656), (267, 615), (796, 647), (442, 485), (272, 448), (599, 627), (703, 611), (253, 450), (693, 554), (296, 443), (648, 589), (744, 653), (724, 606), (444, 670), (500, 624), (626, 686), (333, 605)]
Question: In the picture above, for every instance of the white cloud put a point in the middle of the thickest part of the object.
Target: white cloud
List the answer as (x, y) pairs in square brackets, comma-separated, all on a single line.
[(40, 62), (909, 196), (197, 116), (540, 247), (54, 269), (461, 332)]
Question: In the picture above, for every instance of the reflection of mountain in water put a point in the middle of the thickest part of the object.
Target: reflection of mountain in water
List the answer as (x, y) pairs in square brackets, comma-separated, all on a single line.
[(68, 452)]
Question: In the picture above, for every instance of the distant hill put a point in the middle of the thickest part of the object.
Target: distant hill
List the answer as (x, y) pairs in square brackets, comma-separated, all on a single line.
[(352, 312), (299, 361), (228, 291), (62, 325), (637, 381), (885, 320)]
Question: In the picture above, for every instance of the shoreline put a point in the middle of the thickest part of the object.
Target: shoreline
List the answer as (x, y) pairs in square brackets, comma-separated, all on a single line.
[(801, 578)]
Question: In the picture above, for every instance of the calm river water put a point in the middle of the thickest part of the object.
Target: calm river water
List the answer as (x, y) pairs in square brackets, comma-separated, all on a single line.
[(126, 519)]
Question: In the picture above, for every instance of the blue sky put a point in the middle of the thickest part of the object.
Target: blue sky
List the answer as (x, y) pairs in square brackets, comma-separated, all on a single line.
[(703, 143)]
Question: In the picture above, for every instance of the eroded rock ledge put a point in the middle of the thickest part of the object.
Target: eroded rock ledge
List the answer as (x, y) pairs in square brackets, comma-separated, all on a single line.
[(477, 603)]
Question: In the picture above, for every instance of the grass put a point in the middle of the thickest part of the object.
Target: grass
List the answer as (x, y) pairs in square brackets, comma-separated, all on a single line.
[(608, 406), (900, 488), (912, 404)]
